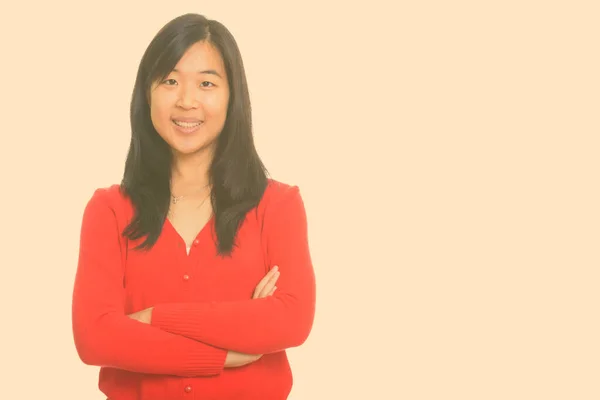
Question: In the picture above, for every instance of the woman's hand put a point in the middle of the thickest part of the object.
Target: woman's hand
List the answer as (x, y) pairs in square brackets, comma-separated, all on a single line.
[(266, 287), (144, 316), (235, 359)]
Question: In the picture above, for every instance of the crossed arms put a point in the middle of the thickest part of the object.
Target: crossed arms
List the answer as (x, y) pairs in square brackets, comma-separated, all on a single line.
[(191, 339)]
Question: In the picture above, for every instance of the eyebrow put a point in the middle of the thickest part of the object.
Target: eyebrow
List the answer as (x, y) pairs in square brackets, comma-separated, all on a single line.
[(207, 71)]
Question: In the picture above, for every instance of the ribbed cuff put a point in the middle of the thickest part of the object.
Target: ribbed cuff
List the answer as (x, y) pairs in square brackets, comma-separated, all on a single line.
[(176, 318), (206, 361)]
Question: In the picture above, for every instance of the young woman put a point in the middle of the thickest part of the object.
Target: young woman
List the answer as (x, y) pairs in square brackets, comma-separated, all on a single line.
[(194, 273)]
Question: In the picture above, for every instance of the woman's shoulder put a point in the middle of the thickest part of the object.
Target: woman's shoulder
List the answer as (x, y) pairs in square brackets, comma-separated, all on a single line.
[(280, 194), (277, 190), (111, 193), (112, 196)]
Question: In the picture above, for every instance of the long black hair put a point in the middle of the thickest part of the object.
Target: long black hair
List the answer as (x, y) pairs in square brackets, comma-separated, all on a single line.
[(237, 174)]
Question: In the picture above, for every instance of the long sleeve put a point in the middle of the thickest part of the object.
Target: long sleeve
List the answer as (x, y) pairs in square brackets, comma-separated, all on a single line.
[(103, 334), (259, 326)]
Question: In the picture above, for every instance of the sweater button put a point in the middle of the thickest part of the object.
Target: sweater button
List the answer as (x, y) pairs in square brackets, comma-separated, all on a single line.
[(186, 277), (188, 389)]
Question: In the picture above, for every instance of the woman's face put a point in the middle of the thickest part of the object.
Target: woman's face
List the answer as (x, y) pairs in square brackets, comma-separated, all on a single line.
[(189, 108)]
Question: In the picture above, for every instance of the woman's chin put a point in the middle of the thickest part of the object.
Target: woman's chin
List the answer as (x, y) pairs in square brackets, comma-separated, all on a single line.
[(188, 149)]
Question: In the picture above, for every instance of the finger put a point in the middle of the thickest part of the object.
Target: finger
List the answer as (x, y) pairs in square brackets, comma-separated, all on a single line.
[(269, 286), (264, 281), (272, 291), (248, 358)]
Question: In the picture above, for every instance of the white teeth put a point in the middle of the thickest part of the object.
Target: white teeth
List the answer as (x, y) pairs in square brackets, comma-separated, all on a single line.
[(187, 124)]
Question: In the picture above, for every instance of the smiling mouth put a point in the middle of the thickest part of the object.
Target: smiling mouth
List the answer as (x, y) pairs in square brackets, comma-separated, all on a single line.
[(187, 124)]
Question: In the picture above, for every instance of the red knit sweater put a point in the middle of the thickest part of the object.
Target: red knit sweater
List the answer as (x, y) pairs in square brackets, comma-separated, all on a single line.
[(202, 303)]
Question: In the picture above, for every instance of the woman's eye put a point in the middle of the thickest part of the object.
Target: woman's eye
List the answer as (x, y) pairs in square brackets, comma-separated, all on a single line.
[(170, 82)]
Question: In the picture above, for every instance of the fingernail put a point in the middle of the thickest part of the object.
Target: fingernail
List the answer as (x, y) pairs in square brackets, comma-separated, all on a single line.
[(275, 268)]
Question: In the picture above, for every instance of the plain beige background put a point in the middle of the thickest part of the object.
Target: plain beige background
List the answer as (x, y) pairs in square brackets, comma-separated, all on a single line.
[(447, 153)]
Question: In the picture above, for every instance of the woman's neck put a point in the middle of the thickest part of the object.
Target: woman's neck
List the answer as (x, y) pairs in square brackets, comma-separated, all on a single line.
[(189, 173)]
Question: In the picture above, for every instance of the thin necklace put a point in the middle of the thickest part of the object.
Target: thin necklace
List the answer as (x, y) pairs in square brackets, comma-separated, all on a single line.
[(176, 199), (171, 212)]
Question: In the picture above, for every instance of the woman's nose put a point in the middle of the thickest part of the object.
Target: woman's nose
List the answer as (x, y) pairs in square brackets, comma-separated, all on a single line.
[(188, 98)]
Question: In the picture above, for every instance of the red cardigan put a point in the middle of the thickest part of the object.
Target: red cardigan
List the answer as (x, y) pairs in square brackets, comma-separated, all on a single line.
[(202, 303)]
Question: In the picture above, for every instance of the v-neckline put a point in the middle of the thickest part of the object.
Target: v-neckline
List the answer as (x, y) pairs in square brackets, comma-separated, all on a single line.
[(200, 233)]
